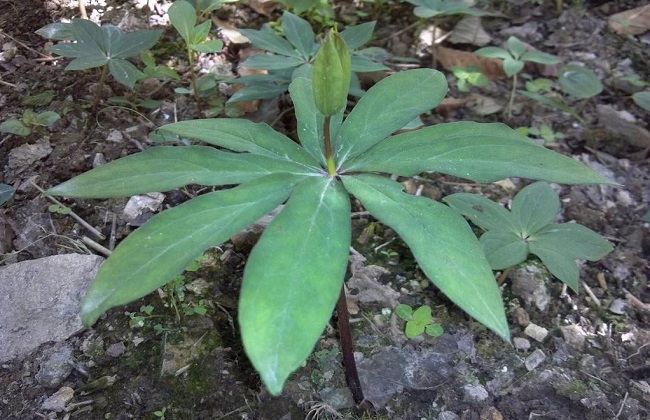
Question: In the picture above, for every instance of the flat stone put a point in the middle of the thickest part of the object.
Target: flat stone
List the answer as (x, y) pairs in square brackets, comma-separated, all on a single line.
[(475, 393), (55, 366), (574, 336), (536, 332), (529, 283), (521, 343), (535, 359), (40, 301), (58, 400)]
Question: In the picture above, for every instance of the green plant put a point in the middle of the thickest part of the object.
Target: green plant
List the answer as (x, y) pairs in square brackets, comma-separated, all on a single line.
[(642, 99), (514, 58), (529, 229), (469, 76), (137, 319), (541, 85), (205, 7), (437, 9), (160, 413), (182, 16), (419, 321), (579, 82), (292, 57), (294, 275), (107, 47), (318, 11), (544, 132), (28, 122)]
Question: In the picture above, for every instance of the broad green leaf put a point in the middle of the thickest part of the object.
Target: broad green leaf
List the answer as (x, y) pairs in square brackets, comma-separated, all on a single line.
[(70, 50), (47, 118), (512, 66), (503, 249), (642, 99), (58, 31), (293, 278), (356, 36), (413, 329), (133, 43), (534, 207), (386, 107), (422, 315), (241, 135), (161, 249), (579, 82), (481, 211), (404, 311), (124, 72), (299, 32), (111, 34), (516, 47), (200, 32), (480, 152), (362, 64), (442, 243), (539, 57), (87, 62), (6, 192), (267, 39), (271, 62), (212, 46), (14, 126), (261, 91), (165, 168), (493, 52), (182, 17), (434, 330), (88, 32), (559, 245)]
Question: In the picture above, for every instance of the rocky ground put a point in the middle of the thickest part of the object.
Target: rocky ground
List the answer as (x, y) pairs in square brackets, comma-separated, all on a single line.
[(573, 356)]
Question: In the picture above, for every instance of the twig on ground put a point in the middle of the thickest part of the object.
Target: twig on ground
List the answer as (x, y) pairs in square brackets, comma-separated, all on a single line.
[(620, 410), (635, 301), (94, 245), (601, 280), (22, 44), (591, 294)]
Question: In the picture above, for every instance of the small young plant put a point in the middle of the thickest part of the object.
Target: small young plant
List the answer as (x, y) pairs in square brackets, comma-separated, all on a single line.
[(182, 16), (294, 275), (544, 132), (514, 59), (205, 7), (437, 9), (419, 321), (29, 122), (529, 228), (291, 57), (642, 99), (107, 47), (579, 82), (469, 76), (317, 11)]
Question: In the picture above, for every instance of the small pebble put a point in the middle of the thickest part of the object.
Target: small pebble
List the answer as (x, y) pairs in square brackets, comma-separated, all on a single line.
[(490, 413), (535, 359), (618, 306), (574, 336), (58, 400), (521, 343), (521, 317), (536, 332)]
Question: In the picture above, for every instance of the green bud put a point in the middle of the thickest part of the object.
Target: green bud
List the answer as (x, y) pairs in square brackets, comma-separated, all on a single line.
[(331, 74)]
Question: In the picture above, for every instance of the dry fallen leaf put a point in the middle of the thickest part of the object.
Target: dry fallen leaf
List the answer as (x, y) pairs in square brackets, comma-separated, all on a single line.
[(490, 67), (469, 31), (631, 22)]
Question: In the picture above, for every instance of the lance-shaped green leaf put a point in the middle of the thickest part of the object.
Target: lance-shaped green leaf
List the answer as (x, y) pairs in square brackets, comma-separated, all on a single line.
[(293, 278), (165, 168), (482, 211), (271, 62), (161, 249), (267, 39), (442, 243), (480, 152), (182, 16), (504, 249), (124, 72), (356, 36), (534, 207), (559, 245), (242, 135), (387, 107), (299, 32)]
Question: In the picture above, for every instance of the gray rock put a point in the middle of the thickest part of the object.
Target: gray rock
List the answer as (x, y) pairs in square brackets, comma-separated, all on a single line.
[(618, 306), (56, 366), (529, 283), (536, 332), (40, 301), (475, 393), (448, 415), (521, 343), (338, 399), (535, 359), (574, 336), (58, 400)]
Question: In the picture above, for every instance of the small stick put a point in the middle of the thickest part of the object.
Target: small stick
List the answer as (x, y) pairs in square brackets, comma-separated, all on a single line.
[(22, 44), (591, 294), (622, 405), (94, 245), (79, 220), (636, 302), (345, 338), (602, 281), (82, 9)]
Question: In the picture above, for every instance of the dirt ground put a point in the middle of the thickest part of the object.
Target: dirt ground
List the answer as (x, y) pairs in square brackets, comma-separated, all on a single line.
[(176, 365)]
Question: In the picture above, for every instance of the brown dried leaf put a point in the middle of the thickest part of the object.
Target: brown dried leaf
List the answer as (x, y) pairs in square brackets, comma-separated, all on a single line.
[(490, 67), (631, 22), (264, 7)]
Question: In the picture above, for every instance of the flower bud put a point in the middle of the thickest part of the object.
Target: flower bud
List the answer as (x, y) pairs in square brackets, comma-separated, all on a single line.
[(331, 74)]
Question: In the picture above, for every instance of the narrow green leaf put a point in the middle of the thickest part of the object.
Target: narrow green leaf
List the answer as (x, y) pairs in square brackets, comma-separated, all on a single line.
[(271, 62), (357, 36), (132, 44), (161, 249), (200, 32), (258, 91), (299, 32), (361, 64), (482, 211), (493, 52), (504, 249), (442, 243), (87, 62), (58, 31), (539, 57), (165, 168), (310, 120), (480, 152), (553, 103), (516, 47), (386, 107), (534, 207), (241, 135), (212, 46), (182, 17), (293, 278), (70, 50), (124, 72), (267, 39), (579, 82)]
